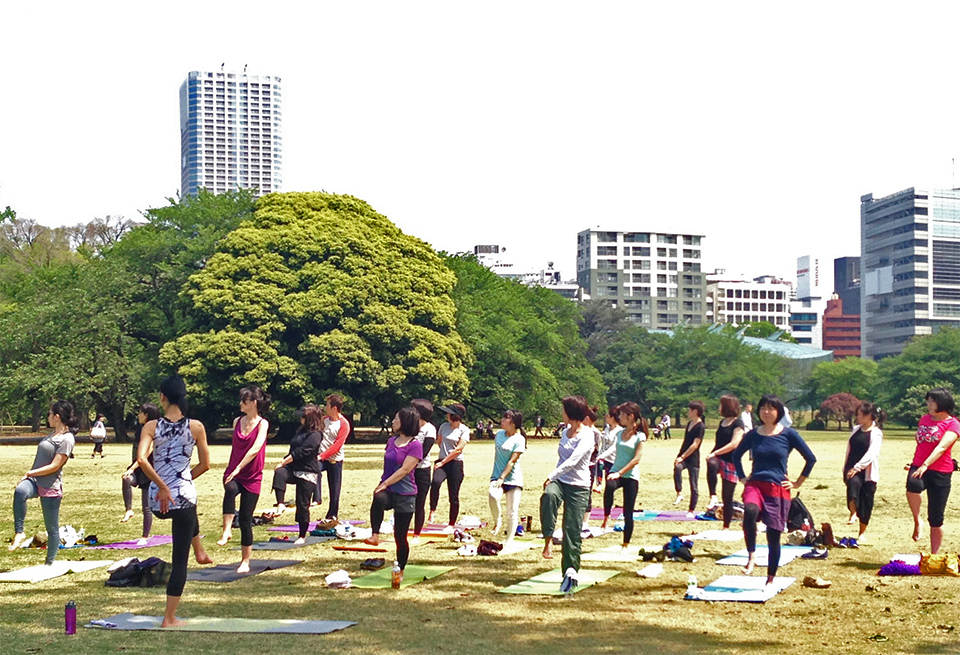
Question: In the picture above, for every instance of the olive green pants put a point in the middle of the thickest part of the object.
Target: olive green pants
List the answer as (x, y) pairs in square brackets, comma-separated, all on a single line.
[(574, 501)]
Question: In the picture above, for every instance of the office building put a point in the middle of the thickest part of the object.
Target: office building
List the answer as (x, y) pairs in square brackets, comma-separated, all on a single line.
[(910, 267), (654, 276), (230, 132), (846, 283), (841, 330), (814, 288), (495, 258), (738, 301)]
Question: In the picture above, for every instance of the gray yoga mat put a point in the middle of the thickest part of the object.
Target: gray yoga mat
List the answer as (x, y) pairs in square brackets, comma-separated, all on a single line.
[(290, 545), (228, 572), (128, 621)]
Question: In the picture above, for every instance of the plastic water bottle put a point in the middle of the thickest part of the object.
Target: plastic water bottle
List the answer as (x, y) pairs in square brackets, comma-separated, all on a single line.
[(70, 618), (397, 576)]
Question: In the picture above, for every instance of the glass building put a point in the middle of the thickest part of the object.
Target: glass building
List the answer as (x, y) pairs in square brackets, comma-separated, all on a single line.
[(230, 132), (909, 267)]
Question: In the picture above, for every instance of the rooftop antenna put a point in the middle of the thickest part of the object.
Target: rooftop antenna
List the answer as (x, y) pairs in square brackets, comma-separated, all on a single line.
[(222, 65), (244, 68)]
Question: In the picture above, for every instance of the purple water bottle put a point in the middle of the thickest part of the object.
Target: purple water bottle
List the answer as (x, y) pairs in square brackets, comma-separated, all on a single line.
[(70, 618)]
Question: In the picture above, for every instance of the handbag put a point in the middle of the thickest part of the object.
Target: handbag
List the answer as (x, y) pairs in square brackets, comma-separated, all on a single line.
[(940, 564)]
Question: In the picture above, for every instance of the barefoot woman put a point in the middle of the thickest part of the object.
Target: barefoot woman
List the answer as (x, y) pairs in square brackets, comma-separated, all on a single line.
[(172, 492), (766, 494)]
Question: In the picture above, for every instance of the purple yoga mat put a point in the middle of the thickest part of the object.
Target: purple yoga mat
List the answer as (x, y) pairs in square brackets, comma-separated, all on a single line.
[(312, 526), (674, 515), (155, 540)]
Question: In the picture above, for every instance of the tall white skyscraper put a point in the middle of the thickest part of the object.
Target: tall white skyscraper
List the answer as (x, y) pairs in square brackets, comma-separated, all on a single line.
[(230, 132)]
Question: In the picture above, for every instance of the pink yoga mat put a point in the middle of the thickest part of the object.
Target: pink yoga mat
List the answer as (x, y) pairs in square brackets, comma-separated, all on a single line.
[(155, 540)]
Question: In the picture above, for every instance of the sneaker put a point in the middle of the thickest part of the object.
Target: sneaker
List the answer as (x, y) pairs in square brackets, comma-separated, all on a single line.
[(713, 502), (569, 582), (519, 531), (678, 500), (852, 543), (844, 542), (816, 553), (816, 583), (691, 515), (328, 523), (448, 530)]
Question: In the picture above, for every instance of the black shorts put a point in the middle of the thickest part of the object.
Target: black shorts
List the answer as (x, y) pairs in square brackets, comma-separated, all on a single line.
[(929, 480)]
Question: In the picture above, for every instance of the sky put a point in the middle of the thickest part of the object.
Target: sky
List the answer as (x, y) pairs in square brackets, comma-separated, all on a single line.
[(757, 124)]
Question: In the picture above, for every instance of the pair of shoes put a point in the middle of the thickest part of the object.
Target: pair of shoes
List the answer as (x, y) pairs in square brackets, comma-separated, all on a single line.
[(328, 523), (570, 582), (848, 542), (816, 583), (372, 564), (816, 553)]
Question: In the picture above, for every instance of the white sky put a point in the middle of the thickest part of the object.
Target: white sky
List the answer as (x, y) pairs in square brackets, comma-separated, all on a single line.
[(518, 123)]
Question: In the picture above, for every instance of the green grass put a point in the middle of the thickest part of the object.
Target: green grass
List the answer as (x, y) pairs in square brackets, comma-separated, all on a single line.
[(460, 612)]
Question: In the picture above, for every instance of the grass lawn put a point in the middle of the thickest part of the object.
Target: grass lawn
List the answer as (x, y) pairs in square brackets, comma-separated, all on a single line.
[(461, 612)]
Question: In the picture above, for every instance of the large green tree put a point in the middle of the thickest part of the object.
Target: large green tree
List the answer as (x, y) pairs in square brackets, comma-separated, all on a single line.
[(851, 375), (318, 292), (527, 346), (926, 362)]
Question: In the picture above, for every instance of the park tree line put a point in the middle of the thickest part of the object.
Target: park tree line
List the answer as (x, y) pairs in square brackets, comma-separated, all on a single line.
[(310, 293)]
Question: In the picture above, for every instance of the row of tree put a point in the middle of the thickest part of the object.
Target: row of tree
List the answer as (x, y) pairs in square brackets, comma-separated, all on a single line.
[(310, 293)]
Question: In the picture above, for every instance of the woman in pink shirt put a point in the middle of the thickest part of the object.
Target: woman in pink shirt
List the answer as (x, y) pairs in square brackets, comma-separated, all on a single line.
[(244, 472), (932, 464)]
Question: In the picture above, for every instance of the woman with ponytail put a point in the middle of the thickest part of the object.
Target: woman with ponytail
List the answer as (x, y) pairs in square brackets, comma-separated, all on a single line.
[(506, 480), (45, 477), (244, 471), (173, 494)]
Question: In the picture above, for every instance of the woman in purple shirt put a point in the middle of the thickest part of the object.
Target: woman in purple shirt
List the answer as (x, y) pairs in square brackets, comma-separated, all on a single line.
[(244, 471), (398, 487)]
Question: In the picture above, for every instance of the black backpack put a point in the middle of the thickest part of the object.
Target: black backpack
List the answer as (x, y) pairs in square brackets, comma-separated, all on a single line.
[(797, 515), (151, 572)]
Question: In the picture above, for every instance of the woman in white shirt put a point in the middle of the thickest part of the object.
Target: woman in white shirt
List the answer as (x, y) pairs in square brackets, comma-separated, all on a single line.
[(569, 484), (861, 465), (506, 480), (453, 437)]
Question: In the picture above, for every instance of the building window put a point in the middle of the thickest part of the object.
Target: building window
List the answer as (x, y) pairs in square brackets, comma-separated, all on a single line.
[(636, 237), (606, 237), (661, 252), (661, 278), (606, 251)]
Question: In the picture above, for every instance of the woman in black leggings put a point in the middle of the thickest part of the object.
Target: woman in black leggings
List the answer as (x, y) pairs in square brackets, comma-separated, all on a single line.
[(301, 467), (453, 437), (398, 487), (173, 494), (427, 436), (720, 460)]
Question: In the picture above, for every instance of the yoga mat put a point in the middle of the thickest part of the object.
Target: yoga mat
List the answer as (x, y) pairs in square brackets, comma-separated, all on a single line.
[(128, 621), (411, 575), (612, 554), (289, 545), (155, 540), (514, 547), (310, 527), (363, 548), (548, 584), (228, 572), (787, 555), (741, 588), (42, 572), (673, 515), (715, 535)]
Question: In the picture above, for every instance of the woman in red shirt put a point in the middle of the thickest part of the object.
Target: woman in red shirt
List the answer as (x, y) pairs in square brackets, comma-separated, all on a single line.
[(932, 464)]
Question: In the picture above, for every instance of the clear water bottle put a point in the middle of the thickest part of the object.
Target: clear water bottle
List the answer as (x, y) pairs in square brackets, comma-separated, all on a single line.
[(397, 576), (70, 618)]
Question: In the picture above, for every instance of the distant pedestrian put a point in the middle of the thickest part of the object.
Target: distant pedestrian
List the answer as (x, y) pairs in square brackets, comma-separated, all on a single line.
[(538, 423), (746, 417), (98, 433)]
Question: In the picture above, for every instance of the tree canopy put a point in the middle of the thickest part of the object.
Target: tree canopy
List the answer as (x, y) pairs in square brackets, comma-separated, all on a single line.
[(315, 293), (528, 352)]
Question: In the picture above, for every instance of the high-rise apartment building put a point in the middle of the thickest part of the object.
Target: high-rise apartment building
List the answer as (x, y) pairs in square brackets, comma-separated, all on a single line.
[(654, 276), (909, 266), (814, 288), (230, 132), (733, 300)]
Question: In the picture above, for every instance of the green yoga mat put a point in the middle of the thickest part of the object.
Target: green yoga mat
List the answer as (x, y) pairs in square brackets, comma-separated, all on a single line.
[(548, 584), (128, 621), (413, 574)]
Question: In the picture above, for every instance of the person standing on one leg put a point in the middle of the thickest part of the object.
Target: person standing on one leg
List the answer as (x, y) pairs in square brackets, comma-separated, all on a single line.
[(720, 460), (506, 480), (766, 494), (398, 487), (453, 437), (627, 449), (134, 477), (45, 478), (173, 494), (427, 436), (689, 456), (336, 429), (568, 484), (244, 473), (932, 465), (302, 467), (861, 468)]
